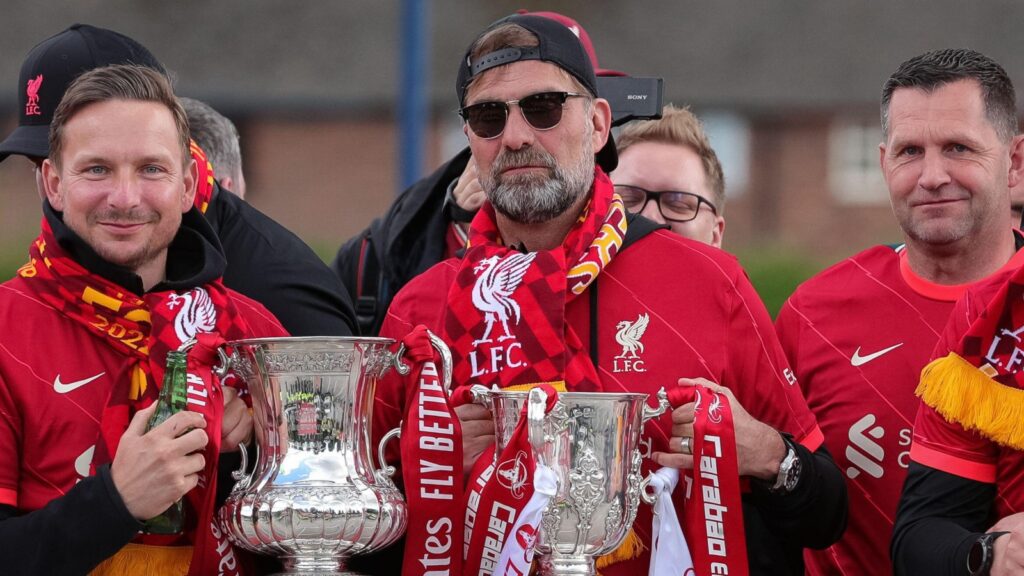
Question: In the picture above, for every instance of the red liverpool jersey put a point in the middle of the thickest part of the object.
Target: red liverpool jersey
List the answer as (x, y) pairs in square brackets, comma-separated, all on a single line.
[(857, 336), (946, 445), (55, 380)]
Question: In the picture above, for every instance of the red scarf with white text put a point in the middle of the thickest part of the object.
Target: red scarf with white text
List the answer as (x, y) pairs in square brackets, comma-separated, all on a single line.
[(502, 510), (431, 467), (713, 512)]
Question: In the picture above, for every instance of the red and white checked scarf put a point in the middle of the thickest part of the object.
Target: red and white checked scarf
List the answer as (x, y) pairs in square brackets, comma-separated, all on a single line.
[(550, 351)]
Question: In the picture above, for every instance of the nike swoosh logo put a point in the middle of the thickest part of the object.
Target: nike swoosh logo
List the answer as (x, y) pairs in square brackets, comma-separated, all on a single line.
[(858, 360), (62, 388)]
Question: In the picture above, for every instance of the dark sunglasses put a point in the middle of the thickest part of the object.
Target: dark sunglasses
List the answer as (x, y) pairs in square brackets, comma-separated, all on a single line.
[(674, 206), (543, 111)]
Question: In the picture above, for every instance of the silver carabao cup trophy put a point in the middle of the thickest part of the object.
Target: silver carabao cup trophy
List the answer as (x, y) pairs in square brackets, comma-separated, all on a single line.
[(315, 496), (591, 440)]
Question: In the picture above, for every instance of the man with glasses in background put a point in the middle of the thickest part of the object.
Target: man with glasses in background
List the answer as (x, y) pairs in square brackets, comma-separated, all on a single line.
[(669, 173), (597, 308)]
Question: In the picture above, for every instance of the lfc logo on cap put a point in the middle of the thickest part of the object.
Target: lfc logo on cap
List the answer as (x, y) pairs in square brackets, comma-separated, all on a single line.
[(32, 90)]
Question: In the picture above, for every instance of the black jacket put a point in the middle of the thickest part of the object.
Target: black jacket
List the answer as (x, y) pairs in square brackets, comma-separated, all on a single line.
[(271, 265), (410, 238), (779, 526)]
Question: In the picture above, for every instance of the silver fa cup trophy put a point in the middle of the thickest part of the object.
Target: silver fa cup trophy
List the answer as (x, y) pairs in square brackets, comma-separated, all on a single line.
[(591, 441), (315, 497)]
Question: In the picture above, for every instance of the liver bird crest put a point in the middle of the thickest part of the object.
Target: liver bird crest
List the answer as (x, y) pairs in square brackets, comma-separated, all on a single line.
[(197, 314), (496, 280), (629, 334), (32, 91), (32, 88)]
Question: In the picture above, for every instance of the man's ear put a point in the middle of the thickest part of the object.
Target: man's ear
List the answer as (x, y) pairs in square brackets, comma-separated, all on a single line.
[(51, 185), (717, 232), (1016, 161), (881, 161), (190, 181), (601, 115), (227, 183)]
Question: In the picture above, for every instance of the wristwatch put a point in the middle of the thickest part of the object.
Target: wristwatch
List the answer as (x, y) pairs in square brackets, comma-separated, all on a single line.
[(979, 559), (789, 469)]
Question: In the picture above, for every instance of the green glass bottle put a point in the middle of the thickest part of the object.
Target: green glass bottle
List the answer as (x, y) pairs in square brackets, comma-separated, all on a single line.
[(171, 401)]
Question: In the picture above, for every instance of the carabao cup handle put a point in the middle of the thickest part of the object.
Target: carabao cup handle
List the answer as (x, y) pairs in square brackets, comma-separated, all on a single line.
[(663, 406), (481, 395), (385, 468), (649, 497), (536, 403), (649, 413)]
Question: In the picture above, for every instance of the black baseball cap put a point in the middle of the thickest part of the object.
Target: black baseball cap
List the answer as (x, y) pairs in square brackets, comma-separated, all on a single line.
[(51, 67), (557, 44)]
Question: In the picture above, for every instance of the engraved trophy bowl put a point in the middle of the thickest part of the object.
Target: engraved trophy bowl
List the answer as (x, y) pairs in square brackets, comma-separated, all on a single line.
[(591, 441), (315, 496)]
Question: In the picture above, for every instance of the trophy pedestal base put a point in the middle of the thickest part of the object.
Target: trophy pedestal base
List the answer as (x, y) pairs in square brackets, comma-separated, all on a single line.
[(314, 567), (317, 573), (567, 566)]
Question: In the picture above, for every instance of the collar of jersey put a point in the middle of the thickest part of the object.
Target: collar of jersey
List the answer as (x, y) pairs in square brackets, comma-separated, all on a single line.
[(945, 292)]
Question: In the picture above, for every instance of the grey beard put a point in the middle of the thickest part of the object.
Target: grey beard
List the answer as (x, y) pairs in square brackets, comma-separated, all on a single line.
[(536, 198)]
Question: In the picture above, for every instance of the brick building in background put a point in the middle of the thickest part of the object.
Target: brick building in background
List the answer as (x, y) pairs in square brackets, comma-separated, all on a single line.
[(789, 92)]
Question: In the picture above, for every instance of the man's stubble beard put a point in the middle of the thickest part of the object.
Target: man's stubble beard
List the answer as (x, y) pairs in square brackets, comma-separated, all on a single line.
[(933, 233), (535, 198), (158, 241)]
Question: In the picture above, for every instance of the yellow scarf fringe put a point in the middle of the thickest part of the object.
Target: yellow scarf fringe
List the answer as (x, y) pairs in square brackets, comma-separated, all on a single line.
[(135, 559), (963, 393), (630, 548)]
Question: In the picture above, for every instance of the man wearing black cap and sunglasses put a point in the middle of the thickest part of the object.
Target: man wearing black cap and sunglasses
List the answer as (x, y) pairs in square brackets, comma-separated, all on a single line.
[(427, 222), (548, 293), (265, 261)]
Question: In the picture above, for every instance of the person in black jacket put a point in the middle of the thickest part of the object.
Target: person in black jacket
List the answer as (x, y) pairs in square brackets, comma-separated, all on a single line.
[(266, 261), (412, 236), (218, 137)]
